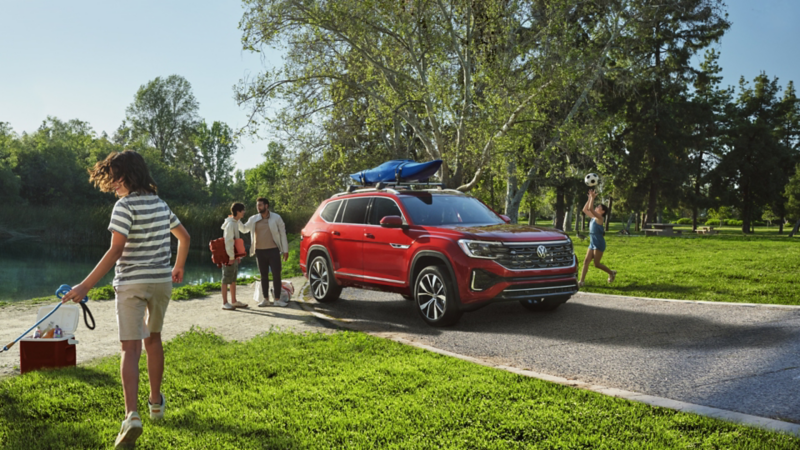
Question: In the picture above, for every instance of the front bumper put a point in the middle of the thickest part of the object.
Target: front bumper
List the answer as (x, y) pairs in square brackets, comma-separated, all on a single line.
[(487, 282)]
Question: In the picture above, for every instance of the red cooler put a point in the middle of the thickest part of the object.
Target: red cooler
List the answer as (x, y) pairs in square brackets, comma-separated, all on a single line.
[(35, 354)]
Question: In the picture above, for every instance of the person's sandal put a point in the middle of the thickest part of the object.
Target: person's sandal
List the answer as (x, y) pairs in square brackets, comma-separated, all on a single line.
[(157, 411), (130, 431), (612, 276)]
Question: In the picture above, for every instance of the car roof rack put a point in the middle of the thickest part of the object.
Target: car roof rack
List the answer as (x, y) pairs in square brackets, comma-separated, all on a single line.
[(397, 187)]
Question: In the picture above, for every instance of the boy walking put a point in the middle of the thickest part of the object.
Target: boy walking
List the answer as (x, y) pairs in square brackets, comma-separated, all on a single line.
[(268, 233), (230, 232), (140, 227)]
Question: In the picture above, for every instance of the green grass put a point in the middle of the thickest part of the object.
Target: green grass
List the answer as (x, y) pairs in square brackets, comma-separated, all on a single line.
[(729, 267), (346, 390)]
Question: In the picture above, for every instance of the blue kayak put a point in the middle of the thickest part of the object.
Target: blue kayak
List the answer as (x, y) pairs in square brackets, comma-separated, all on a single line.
[(399, 170)]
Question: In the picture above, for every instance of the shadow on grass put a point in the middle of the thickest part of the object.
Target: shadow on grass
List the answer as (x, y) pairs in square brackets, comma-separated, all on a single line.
[(267, 434), (35, 420)]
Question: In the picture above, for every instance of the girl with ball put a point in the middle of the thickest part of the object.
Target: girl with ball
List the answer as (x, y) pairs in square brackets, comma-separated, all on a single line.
[(597, 243)]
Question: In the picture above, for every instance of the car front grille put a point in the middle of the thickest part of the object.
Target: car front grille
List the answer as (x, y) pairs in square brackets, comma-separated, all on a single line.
[(527, 256), (521, 292)]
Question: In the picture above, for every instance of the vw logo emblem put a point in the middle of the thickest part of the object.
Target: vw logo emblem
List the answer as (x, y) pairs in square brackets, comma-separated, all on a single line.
[(542, 251)]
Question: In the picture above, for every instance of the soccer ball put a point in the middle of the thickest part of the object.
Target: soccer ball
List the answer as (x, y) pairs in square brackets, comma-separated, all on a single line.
[(591, 179)]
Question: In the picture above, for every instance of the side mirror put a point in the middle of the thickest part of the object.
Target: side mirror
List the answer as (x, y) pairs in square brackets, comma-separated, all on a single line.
[(505, 218), (392, 222)]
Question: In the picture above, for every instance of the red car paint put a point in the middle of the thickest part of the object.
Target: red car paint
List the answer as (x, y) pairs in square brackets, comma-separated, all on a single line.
[(368, 255)]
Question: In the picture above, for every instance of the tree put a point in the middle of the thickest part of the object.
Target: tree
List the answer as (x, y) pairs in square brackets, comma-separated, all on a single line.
[(9, 181), (752, 170), (792, 194), (163, 111), (216, 147)]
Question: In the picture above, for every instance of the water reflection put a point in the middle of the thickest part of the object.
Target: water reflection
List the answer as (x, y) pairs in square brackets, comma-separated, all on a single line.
[(29, 269)]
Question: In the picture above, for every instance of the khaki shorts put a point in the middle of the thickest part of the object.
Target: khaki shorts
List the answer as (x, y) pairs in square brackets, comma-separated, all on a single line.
[(229, 273), (141, 309)]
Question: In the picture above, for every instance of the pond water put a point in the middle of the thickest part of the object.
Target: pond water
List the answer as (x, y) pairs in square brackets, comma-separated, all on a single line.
[(29, 269)]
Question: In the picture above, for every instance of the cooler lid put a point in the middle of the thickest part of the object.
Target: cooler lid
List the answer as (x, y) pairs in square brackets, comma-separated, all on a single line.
[(67, 317)]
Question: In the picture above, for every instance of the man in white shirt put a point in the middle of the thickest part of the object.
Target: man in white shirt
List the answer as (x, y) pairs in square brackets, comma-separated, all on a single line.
[(268, 236)]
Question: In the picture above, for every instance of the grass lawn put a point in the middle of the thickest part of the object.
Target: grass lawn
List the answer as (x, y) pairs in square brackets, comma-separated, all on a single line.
[(346, 390), (729, 267)]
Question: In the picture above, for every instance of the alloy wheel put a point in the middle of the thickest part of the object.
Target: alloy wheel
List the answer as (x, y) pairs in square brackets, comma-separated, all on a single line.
[(319, 278), (431, 296)]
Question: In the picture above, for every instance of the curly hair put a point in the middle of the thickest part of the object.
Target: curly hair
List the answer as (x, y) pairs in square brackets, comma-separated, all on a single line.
[(128, 167)]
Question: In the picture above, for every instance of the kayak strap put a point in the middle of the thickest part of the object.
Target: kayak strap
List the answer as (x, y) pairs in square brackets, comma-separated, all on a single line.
[(398, 171)]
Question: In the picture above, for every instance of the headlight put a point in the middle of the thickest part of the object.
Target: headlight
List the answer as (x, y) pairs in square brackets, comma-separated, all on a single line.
[(482, 249)]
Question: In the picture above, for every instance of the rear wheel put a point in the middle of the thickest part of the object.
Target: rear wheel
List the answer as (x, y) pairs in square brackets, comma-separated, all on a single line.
[(543, 304), (434, 297), (323, 285)]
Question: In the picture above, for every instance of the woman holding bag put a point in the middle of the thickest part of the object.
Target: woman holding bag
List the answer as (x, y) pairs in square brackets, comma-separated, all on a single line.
[(230, 232)]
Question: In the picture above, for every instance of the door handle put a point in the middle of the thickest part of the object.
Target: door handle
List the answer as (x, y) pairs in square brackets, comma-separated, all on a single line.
[(369, 235), (335, 233)]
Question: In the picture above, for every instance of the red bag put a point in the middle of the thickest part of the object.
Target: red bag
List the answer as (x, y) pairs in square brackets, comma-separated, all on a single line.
[(219, 255)]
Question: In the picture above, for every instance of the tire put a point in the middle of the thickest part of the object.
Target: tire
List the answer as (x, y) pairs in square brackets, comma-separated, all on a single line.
[(323, 285), (434, 297), (542, 305)]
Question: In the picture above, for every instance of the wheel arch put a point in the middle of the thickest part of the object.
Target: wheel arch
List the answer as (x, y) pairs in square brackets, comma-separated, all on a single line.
[(426, 258)]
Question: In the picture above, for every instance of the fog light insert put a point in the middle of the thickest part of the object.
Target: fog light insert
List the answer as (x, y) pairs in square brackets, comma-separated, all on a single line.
[(482, 280)]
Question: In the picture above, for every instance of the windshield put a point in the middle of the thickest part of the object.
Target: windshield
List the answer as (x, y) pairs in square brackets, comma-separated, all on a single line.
[(438, 210)]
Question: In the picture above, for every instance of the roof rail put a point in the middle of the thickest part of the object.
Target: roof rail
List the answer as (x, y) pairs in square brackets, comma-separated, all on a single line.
[(395, 188)]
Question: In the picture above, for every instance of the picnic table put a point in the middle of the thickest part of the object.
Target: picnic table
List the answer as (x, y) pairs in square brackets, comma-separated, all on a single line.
[(660, 229), (707, 230)]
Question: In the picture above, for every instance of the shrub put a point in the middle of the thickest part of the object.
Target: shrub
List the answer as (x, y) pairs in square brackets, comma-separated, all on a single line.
[(733, 223), (684, 221), (713, 223)]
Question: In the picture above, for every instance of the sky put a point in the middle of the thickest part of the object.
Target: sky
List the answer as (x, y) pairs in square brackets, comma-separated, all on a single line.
[(83, 59)]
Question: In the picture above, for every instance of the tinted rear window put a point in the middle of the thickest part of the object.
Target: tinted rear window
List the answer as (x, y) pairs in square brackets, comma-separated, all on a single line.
[(355, 210), (436, 210), (329, 213)]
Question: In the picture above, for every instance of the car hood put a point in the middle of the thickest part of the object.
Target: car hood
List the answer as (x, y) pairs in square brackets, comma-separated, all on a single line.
[(510, 232)]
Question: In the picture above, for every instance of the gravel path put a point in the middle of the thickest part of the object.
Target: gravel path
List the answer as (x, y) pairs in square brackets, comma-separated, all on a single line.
[(206, 312), (732, 357)]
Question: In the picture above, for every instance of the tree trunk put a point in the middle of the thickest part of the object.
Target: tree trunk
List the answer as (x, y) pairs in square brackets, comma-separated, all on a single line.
[(608, 215), (651, 203), (694, 219), (513, 200), (559, 209), (568, 217), (578, 215), (780, 226), (795, 229), (532, 216), (631, 218), (638, 221)]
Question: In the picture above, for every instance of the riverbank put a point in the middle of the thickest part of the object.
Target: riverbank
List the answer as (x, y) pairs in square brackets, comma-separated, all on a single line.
[(182, 315)]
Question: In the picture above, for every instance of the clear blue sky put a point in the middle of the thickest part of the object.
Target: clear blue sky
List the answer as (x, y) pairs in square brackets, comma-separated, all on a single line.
[(84, 59)]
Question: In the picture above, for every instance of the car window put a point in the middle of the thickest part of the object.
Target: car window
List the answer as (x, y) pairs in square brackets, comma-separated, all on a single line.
[(382, 207), (329, 213), (436, 210), (355, 210)]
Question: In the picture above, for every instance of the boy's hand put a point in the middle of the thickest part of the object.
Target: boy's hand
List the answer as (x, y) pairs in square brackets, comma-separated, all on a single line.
[(177, 274), (76, 294), (285, 257)]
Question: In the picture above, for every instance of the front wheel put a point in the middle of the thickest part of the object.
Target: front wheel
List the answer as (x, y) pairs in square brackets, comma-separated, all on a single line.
[(543, 304), (323, 285), (434, 297)]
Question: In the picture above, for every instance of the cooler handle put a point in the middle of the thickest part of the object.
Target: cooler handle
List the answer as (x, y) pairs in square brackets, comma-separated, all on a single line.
[(71, 341)]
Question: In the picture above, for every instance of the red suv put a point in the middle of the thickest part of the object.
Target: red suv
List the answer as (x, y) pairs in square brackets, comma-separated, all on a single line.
[(444, 250)]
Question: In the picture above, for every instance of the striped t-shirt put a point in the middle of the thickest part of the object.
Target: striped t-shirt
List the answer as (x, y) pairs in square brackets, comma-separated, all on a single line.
[(146, 221)]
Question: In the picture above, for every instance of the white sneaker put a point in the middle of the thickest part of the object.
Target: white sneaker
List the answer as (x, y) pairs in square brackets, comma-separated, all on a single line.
[(239, 304), (228, 307), (157, 411), (130, 431), (264, 303), (284, 301)]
